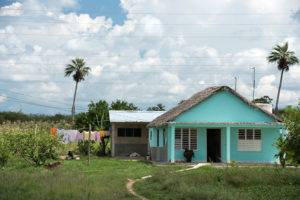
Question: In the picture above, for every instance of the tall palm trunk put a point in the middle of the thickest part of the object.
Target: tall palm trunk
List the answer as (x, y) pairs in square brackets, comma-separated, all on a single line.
[(279, 88), (73, 107)]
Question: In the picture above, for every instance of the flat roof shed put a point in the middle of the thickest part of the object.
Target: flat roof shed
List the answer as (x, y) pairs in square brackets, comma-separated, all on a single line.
[(129, 131)]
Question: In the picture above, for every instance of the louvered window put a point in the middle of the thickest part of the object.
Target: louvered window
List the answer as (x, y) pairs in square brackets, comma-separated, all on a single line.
[(186, 138), (178, 138), (249, 140)]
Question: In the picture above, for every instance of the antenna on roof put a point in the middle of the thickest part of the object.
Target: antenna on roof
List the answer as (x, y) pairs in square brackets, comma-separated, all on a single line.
[(235, 81), (253, 82)]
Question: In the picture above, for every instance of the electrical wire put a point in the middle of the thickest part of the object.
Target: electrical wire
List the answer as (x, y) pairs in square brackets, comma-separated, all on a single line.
[(144, 12), (145, 36), (35, 97)]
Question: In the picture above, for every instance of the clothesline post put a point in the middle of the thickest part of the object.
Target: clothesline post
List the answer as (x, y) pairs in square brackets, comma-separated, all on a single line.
[(89, 147)]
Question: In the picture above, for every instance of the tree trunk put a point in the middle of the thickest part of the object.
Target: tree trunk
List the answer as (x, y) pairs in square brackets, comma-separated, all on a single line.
[(277, 99), (73, 107)]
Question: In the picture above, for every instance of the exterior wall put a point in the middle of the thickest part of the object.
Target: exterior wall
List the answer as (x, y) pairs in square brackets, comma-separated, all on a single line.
[(223, 107), (153, 140), (159, 153), (200, 153), (268, 150), (266, 155), (123, 146)]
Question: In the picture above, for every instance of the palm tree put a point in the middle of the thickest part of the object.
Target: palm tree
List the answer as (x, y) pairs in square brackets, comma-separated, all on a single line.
[(79, 71), (284, 60)]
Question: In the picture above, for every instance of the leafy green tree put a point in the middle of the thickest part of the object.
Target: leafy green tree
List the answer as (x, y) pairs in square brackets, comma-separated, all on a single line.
[(122, 105), (98, 114), (158, 107), (79, 71), (82, 121), (291, 144), (284, 59), (264, 99)]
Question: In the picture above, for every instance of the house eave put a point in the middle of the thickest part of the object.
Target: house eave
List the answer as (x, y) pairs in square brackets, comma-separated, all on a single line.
[(231, 124)]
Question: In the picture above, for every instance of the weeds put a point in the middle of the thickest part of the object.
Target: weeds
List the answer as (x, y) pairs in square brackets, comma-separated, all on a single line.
[(228, 183)]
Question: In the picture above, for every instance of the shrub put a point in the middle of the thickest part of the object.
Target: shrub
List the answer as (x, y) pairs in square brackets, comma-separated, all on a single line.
[(35, 146), (188, 154), (4, 150), (235, 177), (83, 147), (233, 163)]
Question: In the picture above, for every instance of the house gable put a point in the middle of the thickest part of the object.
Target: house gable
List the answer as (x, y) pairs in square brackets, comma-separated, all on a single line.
[(223, 107)]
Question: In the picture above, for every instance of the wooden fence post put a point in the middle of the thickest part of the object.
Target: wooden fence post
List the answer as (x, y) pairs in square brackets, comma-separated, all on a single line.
[(89, 146)]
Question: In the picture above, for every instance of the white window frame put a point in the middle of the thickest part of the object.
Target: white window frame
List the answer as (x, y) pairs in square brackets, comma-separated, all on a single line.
[(178, 147), (249, 145)]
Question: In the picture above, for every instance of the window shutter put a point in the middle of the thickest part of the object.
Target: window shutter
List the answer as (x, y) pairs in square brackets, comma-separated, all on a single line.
[(242, 134), (193, 139), (178, 138), (250, 142), (185, 138)]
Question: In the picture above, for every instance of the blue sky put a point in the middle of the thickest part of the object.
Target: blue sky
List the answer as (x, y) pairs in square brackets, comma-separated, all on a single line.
[(109, 8), (145, 52)]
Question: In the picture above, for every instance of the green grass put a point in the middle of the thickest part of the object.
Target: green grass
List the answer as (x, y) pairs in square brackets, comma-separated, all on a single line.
[(218, 183), (105, 178)]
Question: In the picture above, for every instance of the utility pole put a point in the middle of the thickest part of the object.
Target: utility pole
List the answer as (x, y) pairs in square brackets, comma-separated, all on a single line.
[(235, 80), (253, 82)]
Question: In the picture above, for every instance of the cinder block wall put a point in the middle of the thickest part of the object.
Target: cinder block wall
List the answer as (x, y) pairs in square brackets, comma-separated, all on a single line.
[(122, 146)]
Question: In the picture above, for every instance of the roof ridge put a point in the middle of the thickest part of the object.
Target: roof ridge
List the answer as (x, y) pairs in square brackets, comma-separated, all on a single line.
[(198, 98)]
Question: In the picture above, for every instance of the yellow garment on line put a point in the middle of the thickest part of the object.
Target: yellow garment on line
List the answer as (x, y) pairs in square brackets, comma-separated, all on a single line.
[(86, 135)]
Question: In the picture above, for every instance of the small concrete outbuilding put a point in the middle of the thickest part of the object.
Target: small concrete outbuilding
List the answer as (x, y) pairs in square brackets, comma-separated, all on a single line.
[(129, 133)]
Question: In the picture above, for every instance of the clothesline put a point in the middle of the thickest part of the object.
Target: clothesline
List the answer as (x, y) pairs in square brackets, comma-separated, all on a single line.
[(75, 135)]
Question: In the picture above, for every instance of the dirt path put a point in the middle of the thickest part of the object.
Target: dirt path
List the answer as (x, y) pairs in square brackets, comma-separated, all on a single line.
[(130, 182), (131, 191)]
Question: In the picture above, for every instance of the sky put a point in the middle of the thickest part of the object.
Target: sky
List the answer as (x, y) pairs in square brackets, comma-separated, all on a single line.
[(142, 51)]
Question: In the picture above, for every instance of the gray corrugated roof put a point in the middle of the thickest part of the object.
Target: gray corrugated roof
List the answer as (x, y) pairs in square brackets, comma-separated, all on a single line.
[(133, 116)]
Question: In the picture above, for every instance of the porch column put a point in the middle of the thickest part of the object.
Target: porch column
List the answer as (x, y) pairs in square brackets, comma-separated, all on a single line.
[(228, 144), (172, 144)]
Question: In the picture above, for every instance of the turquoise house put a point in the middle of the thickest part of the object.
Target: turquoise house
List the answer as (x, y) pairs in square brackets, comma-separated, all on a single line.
[(219, 125)]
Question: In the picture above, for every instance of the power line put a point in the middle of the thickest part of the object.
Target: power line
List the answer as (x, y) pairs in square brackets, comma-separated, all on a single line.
[(131, 56), (182, 71), (80, 108), (127, 64), (140, 83), (157, 13), (144, 36), (153, 24), (35, 104), (32, 103)]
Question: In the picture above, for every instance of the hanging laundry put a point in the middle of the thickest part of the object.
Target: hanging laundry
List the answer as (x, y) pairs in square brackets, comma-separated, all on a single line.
[(102, 133), (93, 136), (98, 136), (86, 135), (80, 136), (72, 135), (53, 132), (64, 133)]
